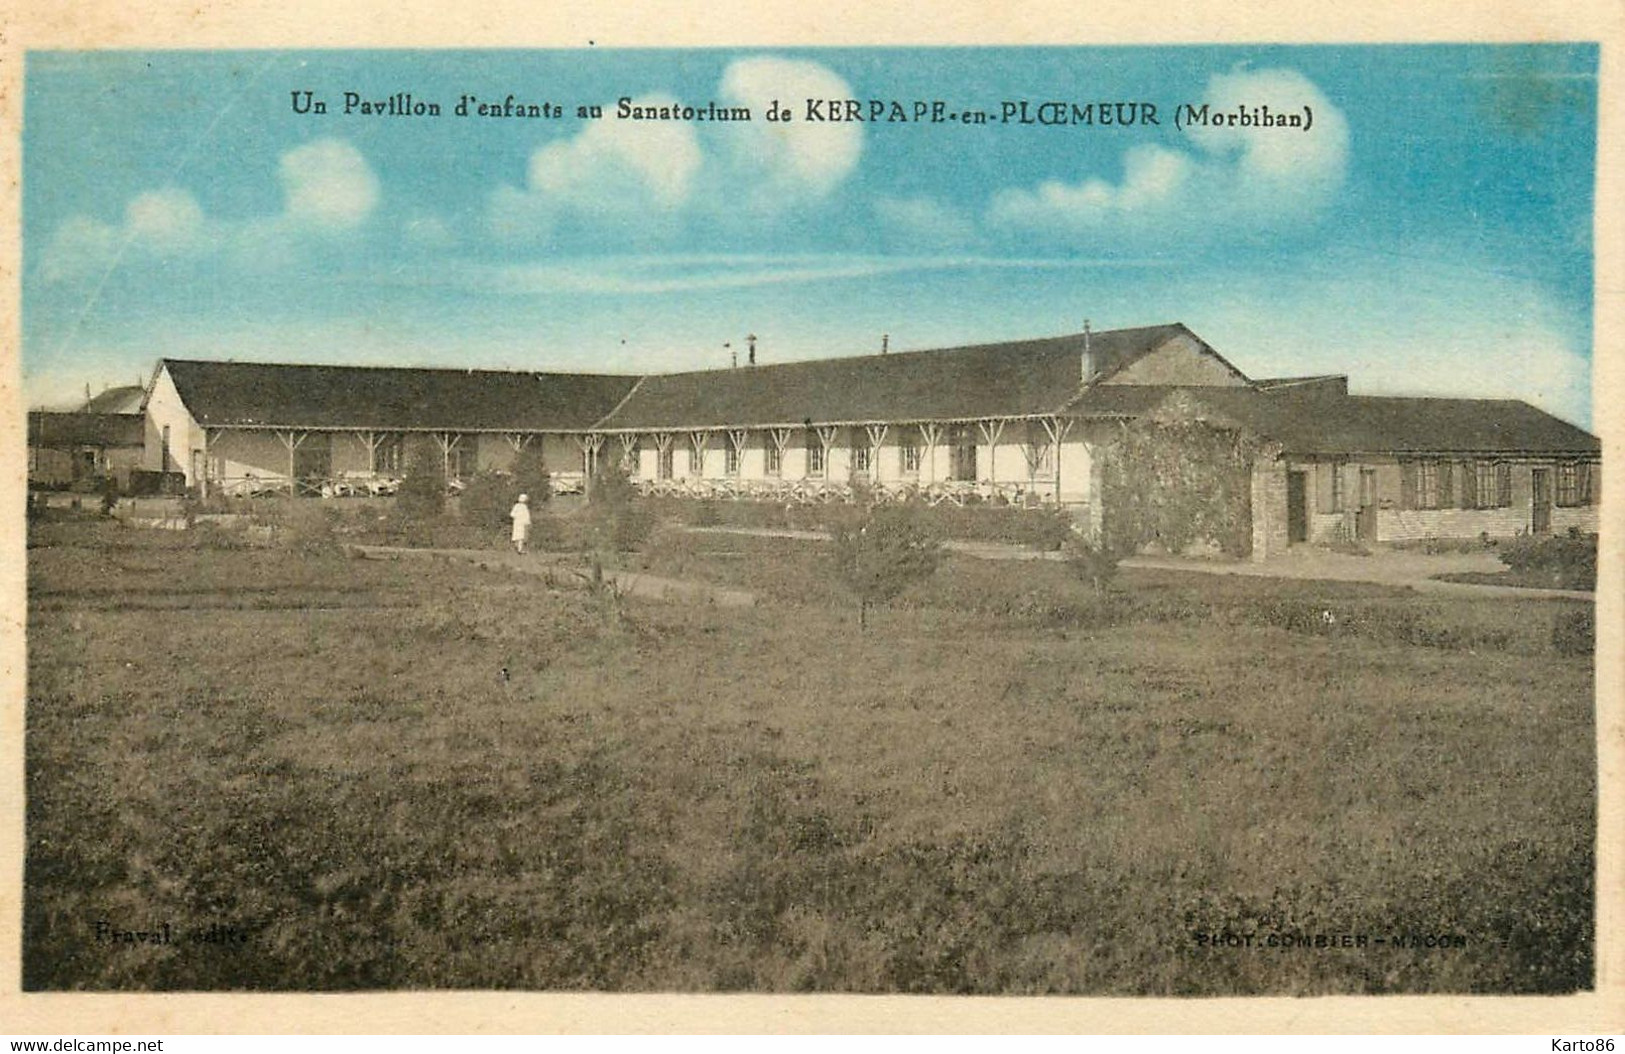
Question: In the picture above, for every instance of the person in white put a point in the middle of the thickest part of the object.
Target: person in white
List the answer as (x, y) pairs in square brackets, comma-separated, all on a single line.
[(520, 514)]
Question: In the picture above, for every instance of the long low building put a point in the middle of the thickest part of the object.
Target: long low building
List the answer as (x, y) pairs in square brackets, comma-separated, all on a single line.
[(1028, 422)]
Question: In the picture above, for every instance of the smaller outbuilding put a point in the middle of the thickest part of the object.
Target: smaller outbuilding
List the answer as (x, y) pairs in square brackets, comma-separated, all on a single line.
[(100, 444)]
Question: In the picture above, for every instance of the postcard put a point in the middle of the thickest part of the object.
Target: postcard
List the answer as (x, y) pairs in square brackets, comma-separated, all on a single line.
[(816, 519)]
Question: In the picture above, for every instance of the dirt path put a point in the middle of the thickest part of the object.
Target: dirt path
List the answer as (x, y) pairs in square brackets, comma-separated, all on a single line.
[(542, 565)]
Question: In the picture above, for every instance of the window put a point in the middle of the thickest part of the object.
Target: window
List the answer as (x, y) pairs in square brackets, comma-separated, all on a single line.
[(1576, 484), (860, 452), (1492, 485), (908, 451), (1339, 499), (664, 468), (1427, 485), (815, 455), (773, 458), (632, 457), (1568, 483)]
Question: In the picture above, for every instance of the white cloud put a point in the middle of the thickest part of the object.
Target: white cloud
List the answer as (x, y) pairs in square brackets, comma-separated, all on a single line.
[(923, 222), (158, 224), (327, 185), (169, 220), (620, 164), (1253, 177), (796, 159), (628, 173), (645, 178), (80, 246)]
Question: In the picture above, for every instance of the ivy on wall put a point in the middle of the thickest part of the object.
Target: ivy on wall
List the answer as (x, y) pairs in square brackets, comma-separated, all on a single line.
[(1174, 481)]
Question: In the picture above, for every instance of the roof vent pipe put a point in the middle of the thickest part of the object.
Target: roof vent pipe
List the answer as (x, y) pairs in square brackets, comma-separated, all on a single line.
[(1088, 354), (751, 340), (885, 343)]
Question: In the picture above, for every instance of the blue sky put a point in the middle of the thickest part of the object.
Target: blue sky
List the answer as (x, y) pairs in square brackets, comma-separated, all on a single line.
[(1430, 234)]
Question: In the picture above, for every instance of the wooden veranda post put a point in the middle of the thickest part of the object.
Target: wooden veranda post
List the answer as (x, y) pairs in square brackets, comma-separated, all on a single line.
[(698, 440), (991, 431), (293, 441), (372, 441), (447, 441), (1057, 428), (662, 451), (931, 433), (877, 436), (780, 438), (210, 437), (589, 444), (826, 441)]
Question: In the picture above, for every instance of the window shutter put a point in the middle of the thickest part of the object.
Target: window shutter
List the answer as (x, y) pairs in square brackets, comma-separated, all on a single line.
[(1469, 485), (1503, 484), (1446, 491), (1590, 483), (1407, 485)]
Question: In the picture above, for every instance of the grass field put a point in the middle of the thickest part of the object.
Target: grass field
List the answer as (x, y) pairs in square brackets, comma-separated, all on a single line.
[(328, 773)]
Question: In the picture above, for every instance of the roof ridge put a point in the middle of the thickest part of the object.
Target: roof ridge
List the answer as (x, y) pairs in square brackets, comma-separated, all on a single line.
[(374, 367)]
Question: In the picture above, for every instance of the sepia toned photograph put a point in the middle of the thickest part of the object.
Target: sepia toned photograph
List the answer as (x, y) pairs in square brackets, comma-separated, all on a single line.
[(1087, 521)]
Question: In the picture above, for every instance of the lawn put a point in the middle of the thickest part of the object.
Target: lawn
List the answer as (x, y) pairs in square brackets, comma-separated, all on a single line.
[(331, 773)]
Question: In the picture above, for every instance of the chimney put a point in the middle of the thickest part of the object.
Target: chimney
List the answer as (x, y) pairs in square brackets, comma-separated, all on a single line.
[(1088, 354), (751, 341), (885, 343)]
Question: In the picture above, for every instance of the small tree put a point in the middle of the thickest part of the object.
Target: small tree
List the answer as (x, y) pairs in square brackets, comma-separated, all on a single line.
[(488, 499), (887, 552), (422, 494), (530, 474), (1095, 564)]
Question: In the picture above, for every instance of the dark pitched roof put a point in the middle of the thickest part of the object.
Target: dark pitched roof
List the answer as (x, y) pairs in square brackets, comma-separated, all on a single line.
[(1316, 424), (53, 430), (242, 393), (984, 380), (125, 400), (1315, 421)]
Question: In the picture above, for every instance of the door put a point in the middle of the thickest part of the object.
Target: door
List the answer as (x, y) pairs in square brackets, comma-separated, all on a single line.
[(1365, 521), (1540, 499), (1297, 509)]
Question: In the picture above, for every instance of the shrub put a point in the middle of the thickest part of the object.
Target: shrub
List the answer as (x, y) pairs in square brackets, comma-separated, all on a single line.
[(422, 493), (530, 476), (618, 521), (488, 499), (1574, 633), (884, 555), (1095, 564), (1569, 563), (611, 488)]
